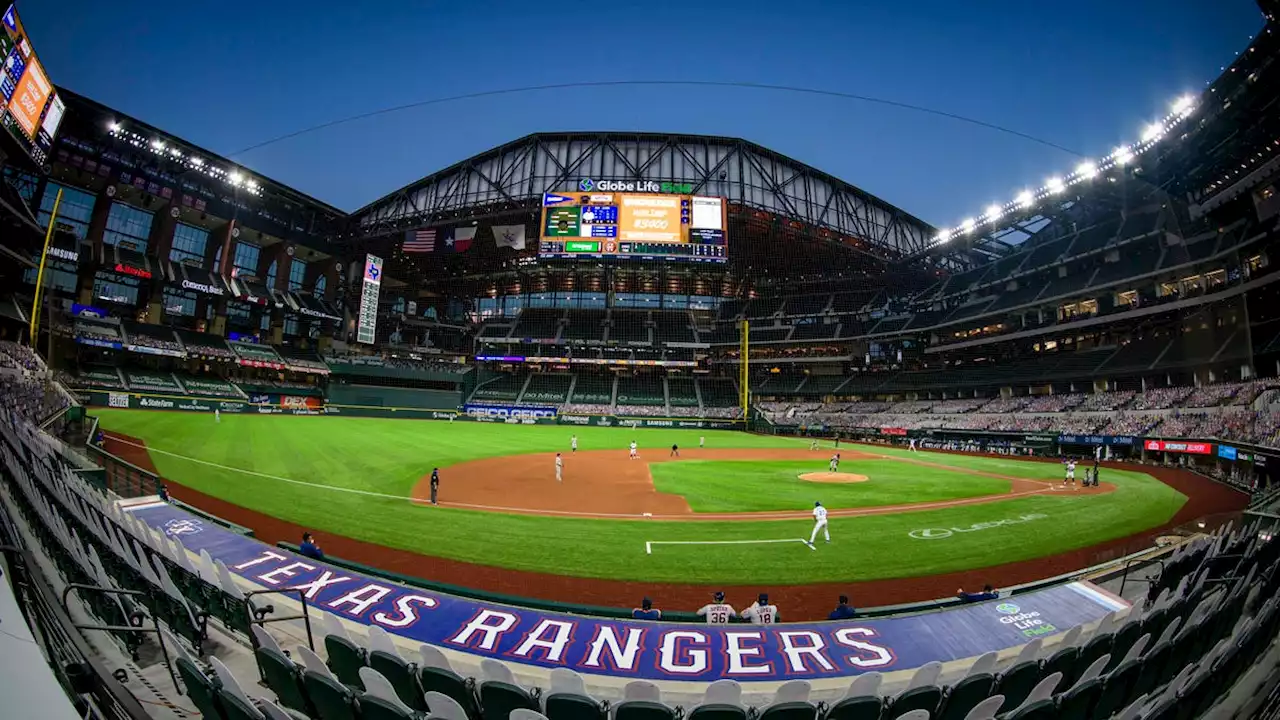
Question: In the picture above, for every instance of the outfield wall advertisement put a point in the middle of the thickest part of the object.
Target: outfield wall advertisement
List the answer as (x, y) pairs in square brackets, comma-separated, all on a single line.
[(649, 650), (265, 404)]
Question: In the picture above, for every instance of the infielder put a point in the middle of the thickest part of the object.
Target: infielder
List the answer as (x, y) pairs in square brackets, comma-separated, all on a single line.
[(573, 444), (813, 444), (718, 612), (702, 442), (834, 465), (217, 415), (819, 523), (634, 453), (761, 612), (675, 450), (913, 444), (559, 468)]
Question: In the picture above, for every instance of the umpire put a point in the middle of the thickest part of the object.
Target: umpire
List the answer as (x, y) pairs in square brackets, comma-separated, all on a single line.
[(435, 484)]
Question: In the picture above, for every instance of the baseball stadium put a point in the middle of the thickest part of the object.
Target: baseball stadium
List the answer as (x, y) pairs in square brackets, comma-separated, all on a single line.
[(604, 424)]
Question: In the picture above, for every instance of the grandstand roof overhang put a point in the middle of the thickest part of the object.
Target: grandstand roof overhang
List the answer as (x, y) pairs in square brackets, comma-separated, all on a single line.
[(513, 177)]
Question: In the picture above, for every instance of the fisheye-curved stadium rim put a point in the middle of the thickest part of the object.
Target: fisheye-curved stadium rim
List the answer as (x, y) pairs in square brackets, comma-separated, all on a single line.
[(512, 177)]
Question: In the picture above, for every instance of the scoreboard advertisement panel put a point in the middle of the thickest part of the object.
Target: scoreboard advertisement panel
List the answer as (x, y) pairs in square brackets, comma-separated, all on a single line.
[(635, 226), (30, 108)]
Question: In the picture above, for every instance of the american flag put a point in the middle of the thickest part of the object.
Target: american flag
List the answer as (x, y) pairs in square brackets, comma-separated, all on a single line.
[(422, 240)]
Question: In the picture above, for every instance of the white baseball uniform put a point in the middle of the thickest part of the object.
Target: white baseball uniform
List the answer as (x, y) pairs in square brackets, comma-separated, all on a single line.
[(717, 613), (573, 443), (819, 523), (759, 614), (634, 454), (701, 442), (1071, 470), (834, 464), (913, 444), (217, 415), (559, 467)]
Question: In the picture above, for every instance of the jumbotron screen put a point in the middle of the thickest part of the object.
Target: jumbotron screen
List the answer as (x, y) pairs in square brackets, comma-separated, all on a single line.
[(594, 225), (30, 108)]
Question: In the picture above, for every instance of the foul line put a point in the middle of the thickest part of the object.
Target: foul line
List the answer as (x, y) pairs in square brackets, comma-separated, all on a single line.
[(648, 546)]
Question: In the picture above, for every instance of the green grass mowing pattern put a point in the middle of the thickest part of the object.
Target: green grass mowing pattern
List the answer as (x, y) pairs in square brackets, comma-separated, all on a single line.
[(388, 456), (753, 485)]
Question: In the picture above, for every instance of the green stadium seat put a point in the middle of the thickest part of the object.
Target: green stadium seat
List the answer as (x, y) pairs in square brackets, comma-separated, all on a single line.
[(1077, 703), (332, 700), (284, 679), (858, 707), (642, 710), (375, 708), (717, 712), (1039, 710), (1118, 689), (498, 699), (925, 698), (402, 677), (345, 660), (1064, 661), (966, 694), (1016, 683), (449, 684), (200, 689), (789, 711), (236, 708), (572, 706)]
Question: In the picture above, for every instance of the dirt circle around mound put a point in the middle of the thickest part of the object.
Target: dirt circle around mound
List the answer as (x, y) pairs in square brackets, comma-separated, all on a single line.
[(833, 477)]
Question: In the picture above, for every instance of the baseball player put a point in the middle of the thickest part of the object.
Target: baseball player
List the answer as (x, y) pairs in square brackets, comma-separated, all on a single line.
[(634, 453), (435, 484), (834, 465), (718, 612), (559, 468), (573, 444), (1071, 475), (912, 441), (702, 442), (217, 416), (675, 450), (813, 444), (819, 523), (761, 612)]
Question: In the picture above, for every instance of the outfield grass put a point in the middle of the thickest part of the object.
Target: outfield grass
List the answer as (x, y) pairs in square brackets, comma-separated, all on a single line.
[(389, 456), (748, 486)]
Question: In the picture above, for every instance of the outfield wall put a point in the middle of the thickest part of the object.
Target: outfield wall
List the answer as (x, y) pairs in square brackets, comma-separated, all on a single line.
[(289, 405)]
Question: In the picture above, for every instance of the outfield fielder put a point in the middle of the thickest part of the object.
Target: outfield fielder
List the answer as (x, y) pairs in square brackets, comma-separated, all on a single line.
[(819, 523), (217, 415), (573, 444), (559, 468), (702, 442)]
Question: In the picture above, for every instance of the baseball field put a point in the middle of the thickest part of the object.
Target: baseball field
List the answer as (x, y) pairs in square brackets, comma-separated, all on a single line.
[(735, 512)]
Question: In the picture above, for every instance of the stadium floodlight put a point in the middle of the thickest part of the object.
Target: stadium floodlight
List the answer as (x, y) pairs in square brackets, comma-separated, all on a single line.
[(1183, 105), (157, 145), (1122, 155), (197, 161), (235, 178), (993, 213), (1153, 132), (1086, 170), (968, 225), (1025, 198), (941, 237), (1055, 185), (113, 127)]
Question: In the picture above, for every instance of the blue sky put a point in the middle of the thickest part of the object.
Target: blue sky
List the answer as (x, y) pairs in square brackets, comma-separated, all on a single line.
[(1086, 75)]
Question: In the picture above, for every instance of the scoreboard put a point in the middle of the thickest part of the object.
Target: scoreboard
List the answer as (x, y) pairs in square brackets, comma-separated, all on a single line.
[(608, 225), (30, 108)]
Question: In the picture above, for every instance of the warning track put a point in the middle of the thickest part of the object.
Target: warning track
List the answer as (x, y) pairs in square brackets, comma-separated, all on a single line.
[(608, 485)]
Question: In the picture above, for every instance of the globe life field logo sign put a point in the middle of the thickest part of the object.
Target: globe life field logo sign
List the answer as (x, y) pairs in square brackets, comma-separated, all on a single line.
[(1030, 623), (644, 186)]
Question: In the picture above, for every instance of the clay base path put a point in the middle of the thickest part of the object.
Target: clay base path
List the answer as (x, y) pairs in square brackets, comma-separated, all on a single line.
[(609, 484), (800, 602)]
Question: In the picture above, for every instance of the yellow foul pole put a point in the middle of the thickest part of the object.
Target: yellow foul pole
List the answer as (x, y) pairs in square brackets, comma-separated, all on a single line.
[(743, 390), (35, 304)]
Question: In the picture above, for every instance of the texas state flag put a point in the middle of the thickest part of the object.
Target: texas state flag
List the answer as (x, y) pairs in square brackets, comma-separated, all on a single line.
[(459, 239)]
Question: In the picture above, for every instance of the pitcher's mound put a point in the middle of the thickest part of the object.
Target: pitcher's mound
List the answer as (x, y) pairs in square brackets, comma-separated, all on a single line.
[(833, 477)]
